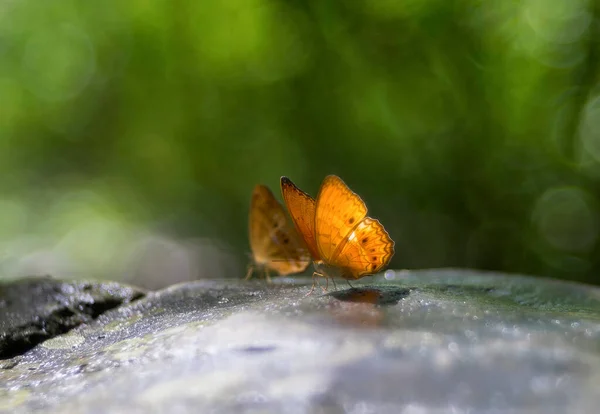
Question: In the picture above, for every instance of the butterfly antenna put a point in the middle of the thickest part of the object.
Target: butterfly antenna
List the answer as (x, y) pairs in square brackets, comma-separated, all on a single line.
[(290, 260)]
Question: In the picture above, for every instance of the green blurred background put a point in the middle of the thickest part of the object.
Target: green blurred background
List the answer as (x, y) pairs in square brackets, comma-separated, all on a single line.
[(132, 132)]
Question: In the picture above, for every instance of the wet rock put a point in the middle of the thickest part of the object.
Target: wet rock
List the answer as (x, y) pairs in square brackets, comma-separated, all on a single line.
[(410, 342), (33, 310)]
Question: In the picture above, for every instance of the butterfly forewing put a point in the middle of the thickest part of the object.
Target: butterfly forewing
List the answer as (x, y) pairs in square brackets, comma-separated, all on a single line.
[(274, 242), (339, 210), (301, 207)]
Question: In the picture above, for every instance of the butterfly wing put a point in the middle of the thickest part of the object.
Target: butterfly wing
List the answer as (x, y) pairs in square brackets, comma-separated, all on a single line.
[(274, 242), (301, 207), (339, 210), (368, 250)]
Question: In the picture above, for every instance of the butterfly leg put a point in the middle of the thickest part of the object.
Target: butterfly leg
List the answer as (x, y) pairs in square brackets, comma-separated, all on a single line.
[(268, 275), (326, 284), (249, 271), (312, 287), (315, 283), (349, 284)]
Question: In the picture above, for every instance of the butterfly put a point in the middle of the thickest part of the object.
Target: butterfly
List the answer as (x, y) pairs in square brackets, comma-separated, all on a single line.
[(342, 240), (274, 241)]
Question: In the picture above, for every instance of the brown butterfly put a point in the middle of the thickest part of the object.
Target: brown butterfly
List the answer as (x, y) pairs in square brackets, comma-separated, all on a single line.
[(341, 239), (274, 241)]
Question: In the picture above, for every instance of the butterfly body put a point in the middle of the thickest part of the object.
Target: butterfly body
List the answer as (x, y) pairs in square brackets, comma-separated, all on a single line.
[(342, 240), (322, 268), (274, 242)]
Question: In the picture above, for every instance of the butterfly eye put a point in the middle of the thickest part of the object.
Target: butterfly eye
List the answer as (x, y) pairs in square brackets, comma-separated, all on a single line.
[(286, 240)]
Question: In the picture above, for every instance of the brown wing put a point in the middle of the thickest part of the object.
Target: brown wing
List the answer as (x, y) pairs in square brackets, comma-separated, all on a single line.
[(274, 242), (301, 207), (368, 250), (339, 210)]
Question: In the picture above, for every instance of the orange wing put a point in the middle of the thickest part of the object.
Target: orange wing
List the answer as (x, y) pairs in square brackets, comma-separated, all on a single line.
[(338, 212), (301, 207), (368, 250), (346, 237), (274, 242)]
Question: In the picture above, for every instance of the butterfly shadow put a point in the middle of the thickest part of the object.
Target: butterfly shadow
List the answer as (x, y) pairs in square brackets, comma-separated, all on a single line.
[(362, 307), (375, 295)]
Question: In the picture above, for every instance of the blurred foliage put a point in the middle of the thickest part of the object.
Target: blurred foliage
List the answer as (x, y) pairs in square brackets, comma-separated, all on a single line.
[(132, 132)]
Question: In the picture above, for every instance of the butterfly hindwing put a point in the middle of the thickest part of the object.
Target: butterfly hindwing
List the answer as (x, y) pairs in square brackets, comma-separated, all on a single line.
[(368, 250)]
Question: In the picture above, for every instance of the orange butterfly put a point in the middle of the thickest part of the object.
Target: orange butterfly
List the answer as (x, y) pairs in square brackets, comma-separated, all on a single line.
[(274, 242), (341, 239)]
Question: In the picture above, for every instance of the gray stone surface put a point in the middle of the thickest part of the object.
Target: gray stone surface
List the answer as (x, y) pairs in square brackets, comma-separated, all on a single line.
[(39, 308), (439, 341)]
